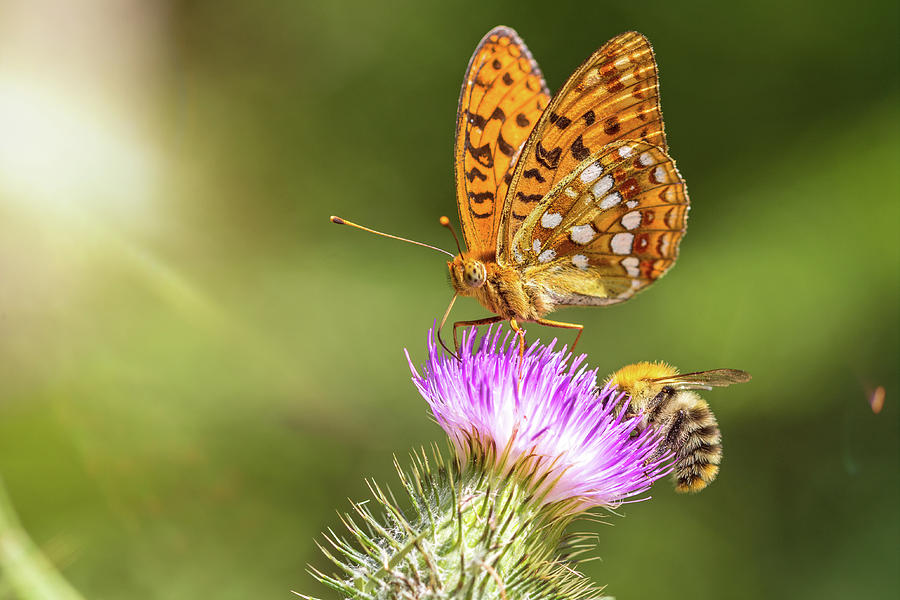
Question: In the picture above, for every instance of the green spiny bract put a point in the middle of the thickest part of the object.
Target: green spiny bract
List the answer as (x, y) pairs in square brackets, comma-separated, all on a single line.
[(470, 533)]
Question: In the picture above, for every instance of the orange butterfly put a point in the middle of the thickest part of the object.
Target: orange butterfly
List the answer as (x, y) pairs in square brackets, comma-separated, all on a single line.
[(569, 201)]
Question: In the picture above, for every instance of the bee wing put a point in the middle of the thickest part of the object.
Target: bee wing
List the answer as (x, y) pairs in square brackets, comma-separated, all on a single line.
[(705, 380)]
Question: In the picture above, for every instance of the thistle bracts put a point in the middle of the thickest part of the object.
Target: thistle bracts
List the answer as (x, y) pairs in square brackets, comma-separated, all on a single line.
[(464, 534)]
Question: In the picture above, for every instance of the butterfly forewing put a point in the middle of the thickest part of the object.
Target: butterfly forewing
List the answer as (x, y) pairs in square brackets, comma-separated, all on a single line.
[(612, 96), (502, 97), (608, 229)]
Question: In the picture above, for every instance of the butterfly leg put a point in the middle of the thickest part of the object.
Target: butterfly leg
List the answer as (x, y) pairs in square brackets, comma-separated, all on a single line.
[(560, 324), (520, 333), (476, 323)]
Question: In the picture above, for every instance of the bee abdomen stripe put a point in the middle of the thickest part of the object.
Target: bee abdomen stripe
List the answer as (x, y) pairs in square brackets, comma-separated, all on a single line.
[(689, 479), (708, 431), (700, 413), (697, 467), (697, 445)]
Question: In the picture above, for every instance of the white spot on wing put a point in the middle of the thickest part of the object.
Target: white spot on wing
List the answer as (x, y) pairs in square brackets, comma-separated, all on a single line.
[(631, 266), (631, 203), (610, 200), (582, 234), (660, 175), (631, 220), (621, 243), (571, 192), (601, 187), (547, 256), (536, 245), (626, 151), (592, 172), (518, 255), (646, 159), (580, 261), (551, 220), (664, 246)]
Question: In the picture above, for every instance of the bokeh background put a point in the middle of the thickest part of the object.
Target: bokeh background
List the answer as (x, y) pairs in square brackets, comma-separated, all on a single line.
[(197, 370)]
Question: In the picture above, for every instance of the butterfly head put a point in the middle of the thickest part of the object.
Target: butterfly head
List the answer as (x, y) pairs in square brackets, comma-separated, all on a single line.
[(466, 274)]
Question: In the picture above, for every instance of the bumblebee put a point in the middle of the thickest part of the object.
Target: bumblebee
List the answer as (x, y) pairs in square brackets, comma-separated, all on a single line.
[(668, 402)]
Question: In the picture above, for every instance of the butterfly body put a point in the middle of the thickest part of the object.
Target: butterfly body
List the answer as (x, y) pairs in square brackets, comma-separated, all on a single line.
[(503, 290)]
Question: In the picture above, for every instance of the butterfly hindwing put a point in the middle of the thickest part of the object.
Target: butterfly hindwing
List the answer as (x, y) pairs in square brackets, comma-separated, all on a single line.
[(612, 96), (503, 96), (608, 229)]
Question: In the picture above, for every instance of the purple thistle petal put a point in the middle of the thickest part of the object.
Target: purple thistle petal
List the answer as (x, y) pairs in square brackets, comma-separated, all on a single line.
[(554, 419)]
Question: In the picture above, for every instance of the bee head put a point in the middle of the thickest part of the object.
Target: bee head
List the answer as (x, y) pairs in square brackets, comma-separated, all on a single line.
[(466, 274), (637, 381)]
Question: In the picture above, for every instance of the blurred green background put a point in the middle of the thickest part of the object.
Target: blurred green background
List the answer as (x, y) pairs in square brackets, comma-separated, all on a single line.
[(197, 370)]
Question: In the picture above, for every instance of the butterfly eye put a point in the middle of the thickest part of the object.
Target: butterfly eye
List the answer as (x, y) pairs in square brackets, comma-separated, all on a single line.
[(474, 274)]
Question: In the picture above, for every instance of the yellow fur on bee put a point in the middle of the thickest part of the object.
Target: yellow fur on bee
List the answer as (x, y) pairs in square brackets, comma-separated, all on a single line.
[(694, 485), (708, 472), (691, 488), (633, 378)]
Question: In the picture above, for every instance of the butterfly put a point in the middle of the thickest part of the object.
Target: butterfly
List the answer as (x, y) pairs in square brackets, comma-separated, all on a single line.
[(565, 200)]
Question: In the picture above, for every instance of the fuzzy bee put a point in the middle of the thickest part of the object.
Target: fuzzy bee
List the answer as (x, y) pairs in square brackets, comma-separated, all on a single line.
[(666, 400)]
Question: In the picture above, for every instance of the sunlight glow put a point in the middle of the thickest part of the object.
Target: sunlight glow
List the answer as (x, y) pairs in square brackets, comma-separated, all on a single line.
[(62, 154)]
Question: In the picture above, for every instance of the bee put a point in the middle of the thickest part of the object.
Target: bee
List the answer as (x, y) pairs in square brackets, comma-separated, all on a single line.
[(666, 401)]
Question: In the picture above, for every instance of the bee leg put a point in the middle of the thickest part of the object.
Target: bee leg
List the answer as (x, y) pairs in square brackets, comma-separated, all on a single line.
[(655, 405), (476, 323), (672, 437), (560, 324), (675, 434)]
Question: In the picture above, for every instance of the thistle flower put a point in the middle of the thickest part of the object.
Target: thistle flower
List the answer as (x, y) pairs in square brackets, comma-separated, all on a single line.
[(540, 416), (535, 444)]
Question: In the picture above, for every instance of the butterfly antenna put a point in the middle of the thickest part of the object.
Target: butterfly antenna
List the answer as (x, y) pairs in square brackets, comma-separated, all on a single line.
[(340, 221), (446, 223)]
